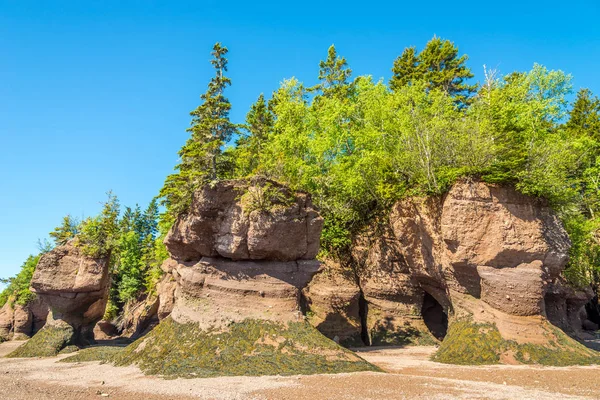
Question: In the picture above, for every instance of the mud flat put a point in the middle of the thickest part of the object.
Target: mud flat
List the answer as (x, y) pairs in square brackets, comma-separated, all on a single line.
[(410, 374)]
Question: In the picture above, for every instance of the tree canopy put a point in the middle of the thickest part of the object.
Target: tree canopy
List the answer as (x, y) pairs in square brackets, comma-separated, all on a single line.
[(358, 145)]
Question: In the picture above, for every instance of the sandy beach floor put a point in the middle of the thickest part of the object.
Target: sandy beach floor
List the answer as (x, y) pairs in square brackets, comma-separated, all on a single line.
[(409, 375)]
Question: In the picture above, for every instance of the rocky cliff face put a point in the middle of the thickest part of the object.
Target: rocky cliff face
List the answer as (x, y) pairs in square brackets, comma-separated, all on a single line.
[(244, 251), (483, 254), (19, 322), (75, 287), (239, 261)]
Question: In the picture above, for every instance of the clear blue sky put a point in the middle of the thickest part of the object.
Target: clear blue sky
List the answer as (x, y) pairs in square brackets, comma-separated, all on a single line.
[(95, 95)]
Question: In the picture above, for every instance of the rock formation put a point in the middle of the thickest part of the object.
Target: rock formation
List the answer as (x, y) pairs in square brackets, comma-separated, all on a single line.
[(19, 322), (75, 287), (483, 256), (239, 260), (140, 316), (244, 251)]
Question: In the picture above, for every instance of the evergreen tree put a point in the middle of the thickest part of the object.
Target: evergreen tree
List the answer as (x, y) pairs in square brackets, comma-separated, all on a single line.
[(259, 123), (99, 235), (126, 223), (584, 118), (406, 69), (439, 65), (66, 231), (210, 130), (150, 227), (334, 75)]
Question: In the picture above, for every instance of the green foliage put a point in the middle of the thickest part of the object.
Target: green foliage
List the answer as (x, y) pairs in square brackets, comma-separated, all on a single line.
[(138, 254), (251, 347), (17, 290), (439, 65), (48, 342), (265, 196), (201, 157), (249, 147), (131, 267), (356, 155), (99, 235), (584, 119), (66, 231)]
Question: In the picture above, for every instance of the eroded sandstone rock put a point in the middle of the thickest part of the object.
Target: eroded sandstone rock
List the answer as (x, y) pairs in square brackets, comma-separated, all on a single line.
[(75, 287), (19, 322), (334, 299), (245, 249), (240, 220), (392, 294), (240, 260), (482, 253)]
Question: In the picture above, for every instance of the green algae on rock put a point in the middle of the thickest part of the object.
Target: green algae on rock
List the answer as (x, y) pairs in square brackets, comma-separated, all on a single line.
[(251, 347), (48, 342), (471, 343), (95, 353)]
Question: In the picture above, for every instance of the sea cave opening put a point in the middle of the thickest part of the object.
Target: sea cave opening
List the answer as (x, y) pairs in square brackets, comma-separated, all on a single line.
[(434, 316)]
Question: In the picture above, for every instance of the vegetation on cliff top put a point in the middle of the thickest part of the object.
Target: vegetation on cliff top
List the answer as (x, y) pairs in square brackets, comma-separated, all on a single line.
[(358, 145), (250, 347)]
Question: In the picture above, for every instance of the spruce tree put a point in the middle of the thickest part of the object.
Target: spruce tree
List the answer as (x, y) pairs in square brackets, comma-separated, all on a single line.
[(210, 130), (334, 75), (259, 124), (439, 65), (66, 231), (584, 118), (406, 69)]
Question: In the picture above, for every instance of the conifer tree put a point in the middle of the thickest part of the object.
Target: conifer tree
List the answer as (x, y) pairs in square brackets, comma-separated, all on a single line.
[(585, 116), (259, 123), (210, 130), (406, 69), (334, 75), (439, 65), (66, 231)]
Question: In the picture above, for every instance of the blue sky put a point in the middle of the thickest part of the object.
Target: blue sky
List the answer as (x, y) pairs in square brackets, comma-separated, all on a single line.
[(95, 95)]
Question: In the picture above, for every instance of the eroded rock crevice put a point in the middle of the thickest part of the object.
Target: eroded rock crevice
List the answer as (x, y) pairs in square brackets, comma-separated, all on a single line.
[(363, 312)]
